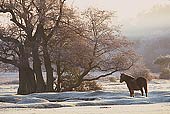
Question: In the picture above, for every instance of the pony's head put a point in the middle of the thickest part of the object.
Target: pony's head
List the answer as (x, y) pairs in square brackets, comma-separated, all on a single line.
[(122, 77)]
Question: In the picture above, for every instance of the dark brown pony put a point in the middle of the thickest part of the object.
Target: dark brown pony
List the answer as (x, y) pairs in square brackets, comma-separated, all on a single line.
[(134, 84)]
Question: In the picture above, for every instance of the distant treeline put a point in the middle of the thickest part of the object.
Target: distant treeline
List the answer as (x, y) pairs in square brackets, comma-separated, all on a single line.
[(152, 48)]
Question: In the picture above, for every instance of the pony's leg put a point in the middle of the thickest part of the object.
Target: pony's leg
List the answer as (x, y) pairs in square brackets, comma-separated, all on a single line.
[(131, 93), (141, 91)]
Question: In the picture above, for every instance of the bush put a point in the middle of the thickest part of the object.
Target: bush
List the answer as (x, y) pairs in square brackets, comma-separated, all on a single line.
[(112, 79), (165, 74), (140, 70), (68, 82), (88, 86), (142, 73)]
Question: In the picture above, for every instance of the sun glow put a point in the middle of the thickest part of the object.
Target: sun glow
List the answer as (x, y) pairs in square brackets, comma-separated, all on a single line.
[(124, 8), (132, 14)]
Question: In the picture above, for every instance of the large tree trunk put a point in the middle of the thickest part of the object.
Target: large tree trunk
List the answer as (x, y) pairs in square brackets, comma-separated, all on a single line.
[(22, 83), (59, 81), (27, 83), (47, 60), (49, 69), (37, 69)]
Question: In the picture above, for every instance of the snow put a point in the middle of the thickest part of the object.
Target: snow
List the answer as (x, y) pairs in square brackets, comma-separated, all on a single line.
[(113, 99), (32, 100), (162, 108), (113, 93)]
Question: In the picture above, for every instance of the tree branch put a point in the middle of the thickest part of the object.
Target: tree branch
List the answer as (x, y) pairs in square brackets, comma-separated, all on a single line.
[(8, 61), (9, 39), (110, 73), (127, 67), (13, 19), (101, 76), (58, 20)]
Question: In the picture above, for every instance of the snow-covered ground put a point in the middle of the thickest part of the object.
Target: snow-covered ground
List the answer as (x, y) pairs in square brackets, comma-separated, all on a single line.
[(113, 95)]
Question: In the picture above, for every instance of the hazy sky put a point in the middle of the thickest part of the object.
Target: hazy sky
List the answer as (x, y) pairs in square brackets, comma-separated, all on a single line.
[(134, 15), (125, 8), (140, 18)]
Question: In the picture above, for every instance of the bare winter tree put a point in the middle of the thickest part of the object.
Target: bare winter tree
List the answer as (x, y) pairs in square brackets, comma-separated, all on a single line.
[(47, 31), (36, 22), (164, 63), (93, 45), (13, 52)]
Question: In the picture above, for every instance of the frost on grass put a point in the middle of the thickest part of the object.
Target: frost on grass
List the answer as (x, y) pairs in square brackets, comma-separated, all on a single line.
[(32, 100), (113, 94)]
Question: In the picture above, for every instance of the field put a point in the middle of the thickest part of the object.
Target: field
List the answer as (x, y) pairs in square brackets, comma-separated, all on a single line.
[(113, 99)]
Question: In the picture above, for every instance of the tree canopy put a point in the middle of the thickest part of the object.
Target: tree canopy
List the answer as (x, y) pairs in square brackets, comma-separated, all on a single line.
[(47, 35)]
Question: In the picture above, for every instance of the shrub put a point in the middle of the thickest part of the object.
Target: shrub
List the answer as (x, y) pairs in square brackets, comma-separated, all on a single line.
[(112, 79), (165, 73), (142, 73), (88, 86), (69, 81), (140, 70)]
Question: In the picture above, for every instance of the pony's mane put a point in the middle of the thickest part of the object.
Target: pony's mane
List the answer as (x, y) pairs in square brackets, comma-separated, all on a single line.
[(129, 76)]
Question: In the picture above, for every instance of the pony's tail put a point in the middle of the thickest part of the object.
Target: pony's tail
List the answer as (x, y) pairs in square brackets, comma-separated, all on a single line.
[(146, 89)]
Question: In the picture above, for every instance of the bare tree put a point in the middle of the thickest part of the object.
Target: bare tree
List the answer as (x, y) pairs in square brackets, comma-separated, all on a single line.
[(164, 63), (47, 31), (93, 45), (36, 21), (13, 52)]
